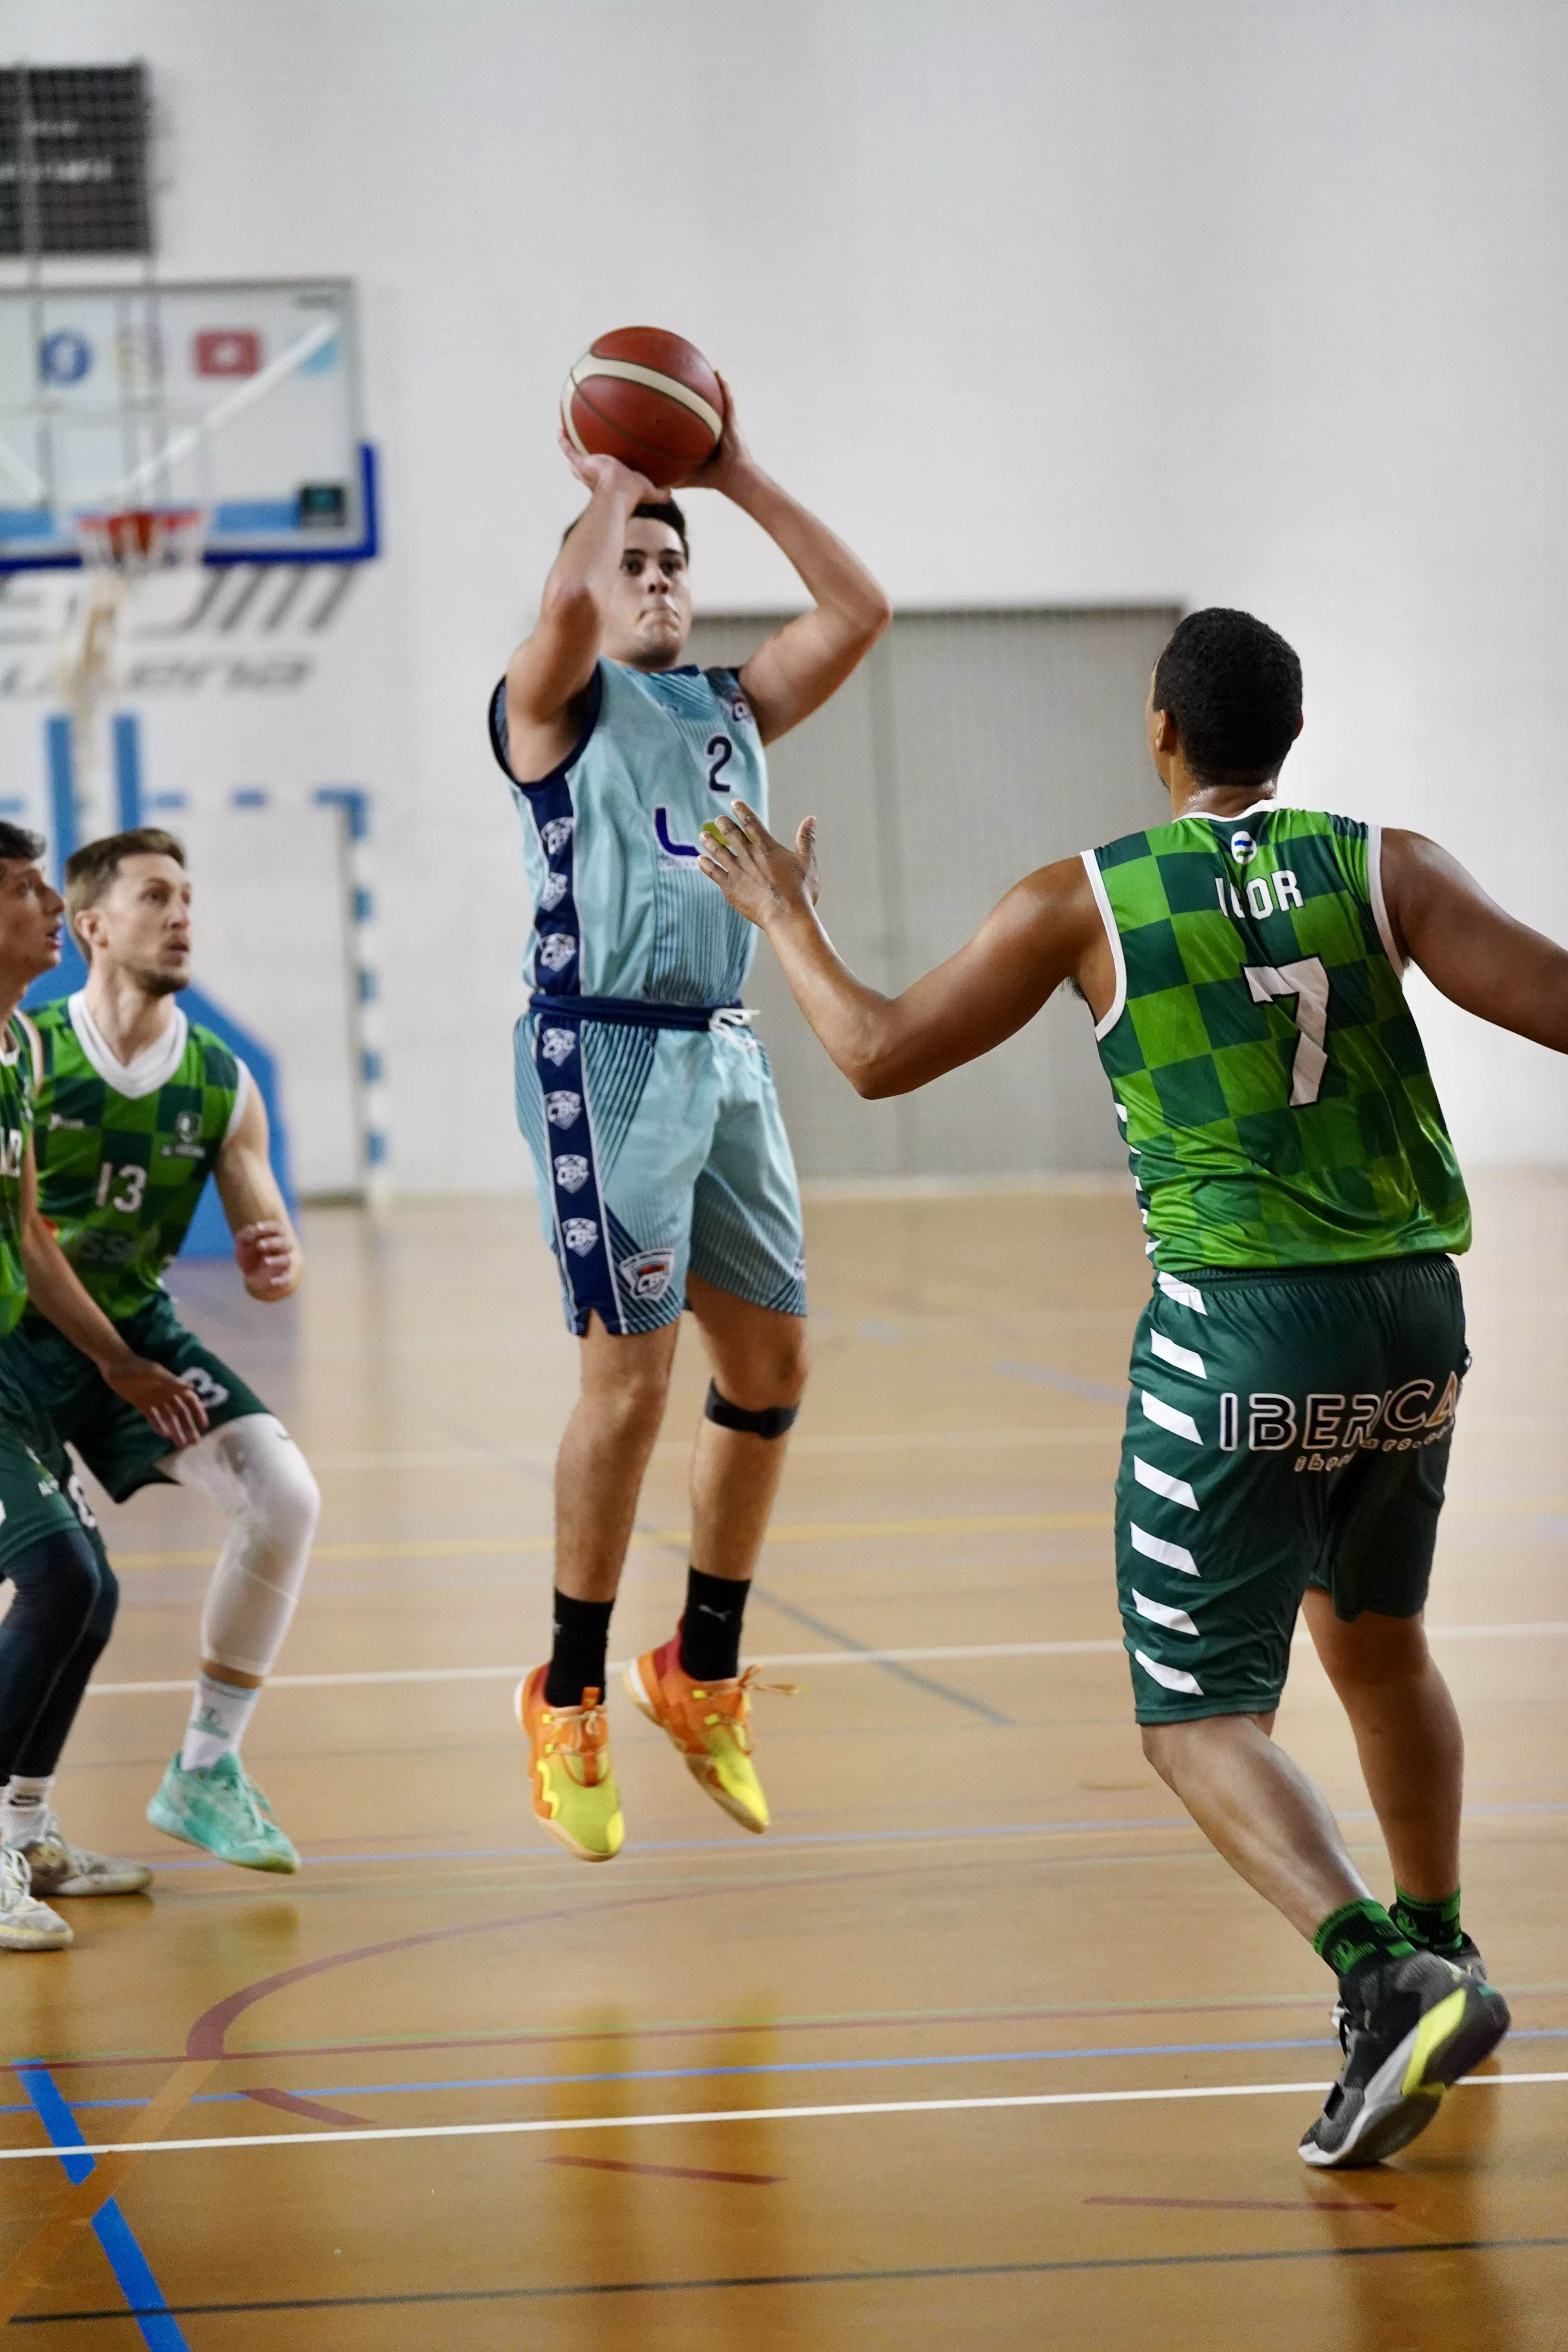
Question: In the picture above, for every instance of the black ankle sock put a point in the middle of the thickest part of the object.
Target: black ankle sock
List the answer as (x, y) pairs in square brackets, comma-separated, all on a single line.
[(582, 1643), (1433, 1927), (1358, 1936), (710, 1629)]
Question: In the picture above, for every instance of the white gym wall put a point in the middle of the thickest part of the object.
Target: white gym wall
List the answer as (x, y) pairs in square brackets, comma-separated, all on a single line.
[(1114, 300)]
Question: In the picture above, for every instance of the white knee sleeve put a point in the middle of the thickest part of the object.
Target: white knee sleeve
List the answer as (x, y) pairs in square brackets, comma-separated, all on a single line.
[(257, 1476)]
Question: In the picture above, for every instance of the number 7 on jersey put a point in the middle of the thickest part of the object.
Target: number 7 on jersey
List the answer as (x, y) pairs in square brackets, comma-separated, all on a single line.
[(1307, 983)]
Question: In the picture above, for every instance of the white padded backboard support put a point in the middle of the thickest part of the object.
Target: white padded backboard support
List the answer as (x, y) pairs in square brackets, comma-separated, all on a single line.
[(239, 398)]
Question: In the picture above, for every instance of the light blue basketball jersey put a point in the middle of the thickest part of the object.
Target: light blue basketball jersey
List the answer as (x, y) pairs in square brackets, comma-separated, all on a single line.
[(610, 839)]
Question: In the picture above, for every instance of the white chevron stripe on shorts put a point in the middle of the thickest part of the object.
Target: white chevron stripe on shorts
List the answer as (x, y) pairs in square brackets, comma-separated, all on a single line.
[(1171, 1351), (1171, 1676), (1158, 1614), (1183, 1293), (1169, 1554), (1159, 1482), (1180, 1424)]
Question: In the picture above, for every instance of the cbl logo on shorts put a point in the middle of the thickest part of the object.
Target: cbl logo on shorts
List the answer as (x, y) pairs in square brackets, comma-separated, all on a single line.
[(557, 1045), (570, 1172), (646, 1273), (579, 1233), (562, 1108)]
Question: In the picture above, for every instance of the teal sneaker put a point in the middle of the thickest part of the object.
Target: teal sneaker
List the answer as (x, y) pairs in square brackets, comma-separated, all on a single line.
[(224, 1810)]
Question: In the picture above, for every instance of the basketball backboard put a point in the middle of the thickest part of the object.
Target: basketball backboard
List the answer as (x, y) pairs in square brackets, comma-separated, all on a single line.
[(241, 399)]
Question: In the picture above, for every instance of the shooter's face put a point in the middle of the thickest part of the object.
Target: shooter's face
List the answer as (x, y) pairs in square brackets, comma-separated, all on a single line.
[(650, 603), (141, 925), (30, 921)]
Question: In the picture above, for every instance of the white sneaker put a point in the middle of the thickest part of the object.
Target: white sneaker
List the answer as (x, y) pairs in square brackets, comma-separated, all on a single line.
[(26, 1925), (58, 1867)]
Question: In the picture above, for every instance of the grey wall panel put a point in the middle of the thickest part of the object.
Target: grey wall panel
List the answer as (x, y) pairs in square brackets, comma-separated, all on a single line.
[(971, 748)]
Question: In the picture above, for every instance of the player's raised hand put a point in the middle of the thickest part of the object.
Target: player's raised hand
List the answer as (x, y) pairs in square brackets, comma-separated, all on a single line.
[(729, 461), (760, 878), (264, 1254), (160, 1396), (604, 474)]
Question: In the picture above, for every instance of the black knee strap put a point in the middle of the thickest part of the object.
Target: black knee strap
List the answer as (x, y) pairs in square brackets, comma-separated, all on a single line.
[(771, 1423)]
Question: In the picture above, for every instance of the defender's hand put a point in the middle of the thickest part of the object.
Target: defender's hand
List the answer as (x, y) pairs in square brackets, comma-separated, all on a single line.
[(264, 1256), (731, 460), (174, 1408), (758, 875), (597, 473)]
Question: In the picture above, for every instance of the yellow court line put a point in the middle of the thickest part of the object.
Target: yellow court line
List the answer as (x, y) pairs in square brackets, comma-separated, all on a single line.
[(660, 1539), (1019, 1523)]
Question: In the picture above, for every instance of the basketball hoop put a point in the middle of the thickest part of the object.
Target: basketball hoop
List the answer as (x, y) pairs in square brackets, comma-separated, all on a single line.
[(118, 548)]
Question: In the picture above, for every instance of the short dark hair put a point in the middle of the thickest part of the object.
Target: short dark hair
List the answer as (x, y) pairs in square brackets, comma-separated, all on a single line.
[(664, 510), (17, 842), (1234, 688), (90, 869)]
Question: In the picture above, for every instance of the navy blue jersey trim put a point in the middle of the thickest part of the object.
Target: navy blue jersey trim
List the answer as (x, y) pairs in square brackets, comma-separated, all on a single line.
[(578, 1213), (633, 1012), (502, 749)]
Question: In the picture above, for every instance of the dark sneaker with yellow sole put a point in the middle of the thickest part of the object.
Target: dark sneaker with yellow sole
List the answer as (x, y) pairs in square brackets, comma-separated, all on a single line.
[(1420, 2023)]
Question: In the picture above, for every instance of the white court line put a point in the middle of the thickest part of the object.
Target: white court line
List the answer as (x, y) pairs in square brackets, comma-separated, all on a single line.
[(711, 2115), (774, 1658)]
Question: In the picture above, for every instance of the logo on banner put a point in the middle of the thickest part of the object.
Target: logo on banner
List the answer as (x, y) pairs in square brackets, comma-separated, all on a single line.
[(555, 889), (557, 833), (570, 1172), (64, 357), (557, 1045), (227, 351), (646, 1273), (556, 950), (562, 1109), (580, 1234)]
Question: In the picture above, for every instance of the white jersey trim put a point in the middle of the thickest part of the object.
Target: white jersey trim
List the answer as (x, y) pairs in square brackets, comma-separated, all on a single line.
[(1379, 904), (1119, 1002), (241, 1097), (152, 1068)]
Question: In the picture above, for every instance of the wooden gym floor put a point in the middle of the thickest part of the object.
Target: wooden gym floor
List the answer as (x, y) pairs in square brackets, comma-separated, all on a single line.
[(945, 2058)]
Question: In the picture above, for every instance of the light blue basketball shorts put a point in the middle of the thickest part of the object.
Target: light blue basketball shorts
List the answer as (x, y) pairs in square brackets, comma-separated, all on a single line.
[(656, 1152)]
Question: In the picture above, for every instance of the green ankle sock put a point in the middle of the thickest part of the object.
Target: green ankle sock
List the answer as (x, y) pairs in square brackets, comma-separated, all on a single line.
[(1433, 1927), (1357, 1934)]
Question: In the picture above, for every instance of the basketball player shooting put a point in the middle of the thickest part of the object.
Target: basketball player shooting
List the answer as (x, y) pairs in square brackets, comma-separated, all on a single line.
[(664, 1174), (1295, 1376)]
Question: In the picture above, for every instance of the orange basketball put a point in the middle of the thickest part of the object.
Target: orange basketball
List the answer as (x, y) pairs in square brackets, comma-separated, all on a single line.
[(647, 397)]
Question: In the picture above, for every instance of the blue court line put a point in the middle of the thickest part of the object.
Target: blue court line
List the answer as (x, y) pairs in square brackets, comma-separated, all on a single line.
[(957, 1834), (894, 1666), (1102, 1392), (132, 2271), (784, 2066)]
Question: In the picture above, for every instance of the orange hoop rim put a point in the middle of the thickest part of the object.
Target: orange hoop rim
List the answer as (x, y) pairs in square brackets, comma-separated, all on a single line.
[(140, 539)]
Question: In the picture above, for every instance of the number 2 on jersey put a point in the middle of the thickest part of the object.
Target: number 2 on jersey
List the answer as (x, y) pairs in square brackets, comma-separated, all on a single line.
[(1307, 983), (719, 752), (132, 1178)]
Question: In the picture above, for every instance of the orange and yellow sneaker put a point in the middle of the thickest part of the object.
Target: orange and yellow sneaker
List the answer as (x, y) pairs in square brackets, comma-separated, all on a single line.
[(710, 1723), (569, 1770)]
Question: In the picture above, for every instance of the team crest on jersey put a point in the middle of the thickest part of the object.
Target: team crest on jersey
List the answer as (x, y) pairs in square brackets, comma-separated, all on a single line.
[(646, 1273), (557, 1045), (556, 950), (555, 889), (579, 1233), (563, 1108), (570, 1172), (557, 833), (188, 1126), (1242, 847)]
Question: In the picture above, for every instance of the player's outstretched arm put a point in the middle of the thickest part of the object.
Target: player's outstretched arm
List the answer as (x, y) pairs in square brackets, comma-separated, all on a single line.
[(174, 1410), (1469, 946), (1047, 930), (548, 675), (266, 1246), (796, 670)]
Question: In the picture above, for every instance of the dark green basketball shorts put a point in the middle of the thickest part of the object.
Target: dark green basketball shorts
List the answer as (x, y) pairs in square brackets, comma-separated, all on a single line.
[(1284, 1430), (40, 1493), (121, 1449)]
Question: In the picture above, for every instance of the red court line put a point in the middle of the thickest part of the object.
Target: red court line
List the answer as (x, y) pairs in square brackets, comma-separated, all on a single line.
[(666, 2171), (311, 2109), (1247, 2204)]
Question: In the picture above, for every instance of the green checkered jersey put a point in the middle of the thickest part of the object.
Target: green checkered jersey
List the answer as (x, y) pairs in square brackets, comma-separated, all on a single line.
[(123, 1151), (19, 1064), (1276, 1099)]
